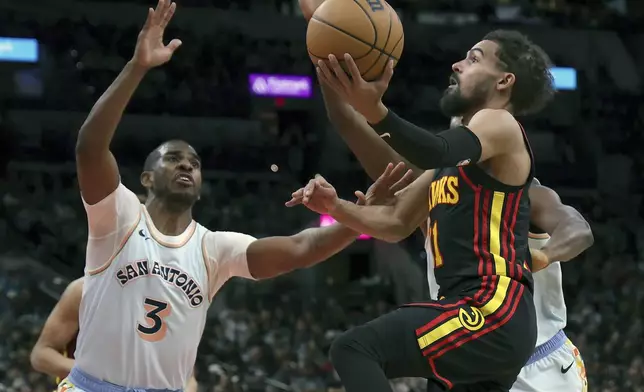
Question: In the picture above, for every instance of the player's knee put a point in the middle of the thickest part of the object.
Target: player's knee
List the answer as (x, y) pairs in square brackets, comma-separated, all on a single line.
[(354, 341)]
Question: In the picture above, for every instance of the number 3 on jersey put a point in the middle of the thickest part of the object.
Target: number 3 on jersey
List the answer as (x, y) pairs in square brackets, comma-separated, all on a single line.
[(433, 238), (155, 314)]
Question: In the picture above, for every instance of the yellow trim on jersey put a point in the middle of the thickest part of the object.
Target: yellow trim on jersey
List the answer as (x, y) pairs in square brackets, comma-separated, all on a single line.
[(455, 323), (496, 216)]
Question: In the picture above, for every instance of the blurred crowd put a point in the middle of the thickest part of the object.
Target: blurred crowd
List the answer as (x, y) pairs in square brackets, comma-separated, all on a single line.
[(269, 337)]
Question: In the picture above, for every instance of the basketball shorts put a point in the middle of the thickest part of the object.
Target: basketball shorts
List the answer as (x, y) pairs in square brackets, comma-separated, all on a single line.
[(479, 341), (556, 368), (79, 381)]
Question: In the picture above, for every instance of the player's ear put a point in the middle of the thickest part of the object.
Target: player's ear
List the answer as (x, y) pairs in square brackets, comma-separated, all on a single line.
[(505, 81), (146, 179)]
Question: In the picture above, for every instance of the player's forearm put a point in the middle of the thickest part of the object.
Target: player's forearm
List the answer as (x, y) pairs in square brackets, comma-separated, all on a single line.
[(377, 221), (191, 385), (568, 240), (423, 148), (373, 153), (318, 244), (98, 130), (49, 361)]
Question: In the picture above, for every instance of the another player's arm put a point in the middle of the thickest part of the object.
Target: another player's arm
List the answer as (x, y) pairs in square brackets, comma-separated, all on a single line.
[(391, 223), (570, 233), (59, 330), (488, 134), (192, 385), (273, 256), (98, 174)]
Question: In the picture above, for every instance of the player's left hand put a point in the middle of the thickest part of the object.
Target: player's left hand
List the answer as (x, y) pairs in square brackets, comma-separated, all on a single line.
[(539, 260), (383, 190), (365, 97)]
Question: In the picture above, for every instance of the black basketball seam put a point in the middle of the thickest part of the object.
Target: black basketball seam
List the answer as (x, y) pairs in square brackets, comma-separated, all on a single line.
[(392, 49), (352, 36), (375, 30), (384, 46)]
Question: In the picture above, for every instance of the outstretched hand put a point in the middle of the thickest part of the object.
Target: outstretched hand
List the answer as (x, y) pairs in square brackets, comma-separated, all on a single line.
[(364, 96), (150, 50), (320, 196)]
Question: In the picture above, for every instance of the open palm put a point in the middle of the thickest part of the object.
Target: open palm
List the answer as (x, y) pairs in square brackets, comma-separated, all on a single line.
[(150, 50)]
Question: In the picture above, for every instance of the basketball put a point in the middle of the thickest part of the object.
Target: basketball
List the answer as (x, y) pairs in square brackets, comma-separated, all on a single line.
[(369, 30)]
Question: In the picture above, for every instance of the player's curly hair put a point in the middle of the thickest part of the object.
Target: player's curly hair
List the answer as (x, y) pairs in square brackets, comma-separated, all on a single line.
[(534, 86)]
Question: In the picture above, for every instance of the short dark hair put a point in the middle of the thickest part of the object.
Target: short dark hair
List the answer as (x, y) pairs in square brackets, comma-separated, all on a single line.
[(534, 86), (151, 159)]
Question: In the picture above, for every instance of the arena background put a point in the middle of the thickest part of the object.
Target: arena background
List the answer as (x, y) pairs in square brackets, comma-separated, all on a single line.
[(57, 57)]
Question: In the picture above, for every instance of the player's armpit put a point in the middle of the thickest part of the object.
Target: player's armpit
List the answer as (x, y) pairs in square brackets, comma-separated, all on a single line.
[(570, 234), (273, 256), (59, 330), (391, 223)]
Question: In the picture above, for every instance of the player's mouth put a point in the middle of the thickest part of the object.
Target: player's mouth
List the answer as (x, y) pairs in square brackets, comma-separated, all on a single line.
[(453, 81), (184, 179)]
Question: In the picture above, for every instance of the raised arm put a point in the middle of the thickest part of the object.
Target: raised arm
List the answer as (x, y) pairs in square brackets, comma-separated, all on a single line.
[(372, 151), (59, 330), (570, 233), (488, 133), (98, 174)]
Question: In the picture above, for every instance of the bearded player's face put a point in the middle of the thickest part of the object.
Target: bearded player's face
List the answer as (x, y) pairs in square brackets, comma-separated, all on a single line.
[(472, 81)]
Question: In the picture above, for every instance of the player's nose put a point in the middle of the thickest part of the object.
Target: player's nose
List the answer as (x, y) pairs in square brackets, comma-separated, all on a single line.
[(185, 165), (456, 67)]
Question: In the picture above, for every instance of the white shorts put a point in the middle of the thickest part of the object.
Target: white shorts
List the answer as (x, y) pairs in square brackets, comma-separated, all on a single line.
[(560, 371)]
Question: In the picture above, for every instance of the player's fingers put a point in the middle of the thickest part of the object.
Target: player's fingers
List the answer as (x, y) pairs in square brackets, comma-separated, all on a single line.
[(386, 76), (339, 72), (174, 44), (329, 77), (148, 19), (167, 15), (401, 184), (308, 191), (353, 68), (362, 199), (294, 201), (396, 173), (385, 174), (157, 17)]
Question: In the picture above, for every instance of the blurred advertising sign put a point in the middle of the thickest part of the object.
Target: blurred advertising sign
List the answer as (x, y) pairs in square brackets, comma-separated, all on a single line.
[(565, 78), (280, 86)]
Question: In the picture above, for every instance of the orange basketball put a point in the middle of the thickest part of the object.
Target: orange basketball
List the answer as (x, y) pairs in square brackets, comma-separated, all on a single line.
[(369, 30)]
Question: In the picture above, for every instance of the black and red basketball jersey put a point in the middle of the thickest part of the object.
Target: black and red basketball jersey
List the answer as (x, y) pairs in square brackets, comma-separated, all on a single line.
[(478, 229)]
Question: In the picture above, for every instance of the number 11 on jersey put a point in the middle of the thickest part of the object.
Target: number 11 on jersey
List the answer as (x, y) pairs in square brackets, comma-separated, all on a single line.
[(155, 313), (433, 240)]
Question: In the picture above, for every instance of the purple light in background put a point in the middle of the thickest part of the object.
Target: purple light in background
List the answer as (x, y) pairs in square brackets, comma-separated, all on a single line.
[(287, 86), (327, 220)]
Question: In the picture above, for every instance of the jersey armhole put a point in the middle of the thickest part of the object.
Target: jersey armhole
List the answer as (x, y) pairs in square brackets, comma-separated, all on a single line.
[(206, 260), (109, 261)]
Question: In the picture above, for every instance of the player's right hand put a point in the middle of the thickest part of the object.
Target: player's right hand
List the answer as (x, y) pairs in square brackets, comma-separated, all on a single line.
[(150, 50), (539, 260), (384, 189), (318, 196)]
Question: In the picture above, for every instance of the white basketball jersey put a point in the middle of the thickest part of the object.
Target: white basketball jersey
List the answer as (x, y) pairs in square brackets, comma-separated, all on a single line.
[(142, 314), (548, 295)]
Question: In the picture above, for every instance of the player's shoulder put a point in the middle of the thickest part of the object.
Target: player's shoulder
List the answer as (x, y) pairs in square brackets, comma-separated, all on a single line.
[(500, 118)]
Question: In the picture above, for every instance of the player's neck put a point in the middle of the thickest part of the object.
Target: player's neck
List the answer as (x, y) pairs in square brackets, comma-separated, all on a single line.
[(168, 220)]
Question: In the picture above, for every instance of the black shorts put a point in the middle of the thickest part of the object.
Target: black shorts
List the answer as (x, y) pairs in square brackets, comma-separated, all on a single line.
[(476, 342)]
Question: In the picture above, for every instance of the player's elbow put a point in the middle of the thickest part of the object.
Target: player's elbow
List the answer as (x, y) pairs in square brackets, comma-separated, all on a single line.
[(36, 359), (585, 236)]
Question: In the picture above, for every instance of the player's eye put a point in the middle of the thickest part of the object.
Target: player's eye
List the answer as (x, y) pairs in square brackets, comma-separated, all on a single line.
[(196, 164)]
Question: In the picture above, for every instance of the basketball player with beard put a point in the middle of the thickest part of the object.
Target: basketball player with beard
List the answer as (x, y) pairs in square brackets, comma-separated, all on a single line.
[(151, 270), (53, 353), (482, 330)]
